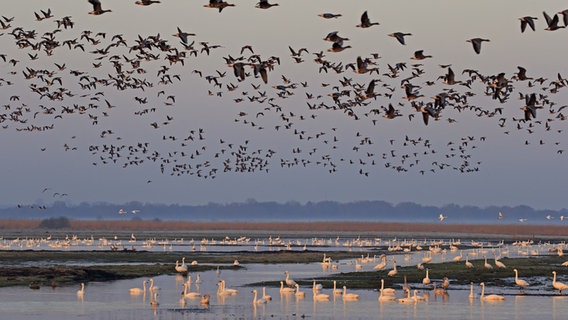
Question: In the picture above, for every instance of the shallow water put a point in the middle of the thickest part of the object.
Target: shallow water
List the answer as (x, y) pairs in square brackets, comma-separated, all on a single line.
[(111, 300)]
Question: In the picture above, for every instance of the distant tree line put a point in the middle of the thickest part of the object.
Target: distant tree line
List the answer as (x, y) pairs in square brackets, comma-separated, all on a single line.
[(290, 211)]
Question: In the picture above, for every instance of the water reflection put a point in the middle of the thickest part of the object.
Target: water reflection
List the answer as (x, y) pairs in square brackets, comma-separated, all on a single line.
[(127, 299)]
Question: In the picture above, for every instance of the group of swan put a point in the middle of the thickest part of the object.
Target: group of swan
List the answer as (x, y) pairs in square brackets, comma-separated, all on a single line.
[(414, 299), (317, 295), (224, 291), (181, 268)]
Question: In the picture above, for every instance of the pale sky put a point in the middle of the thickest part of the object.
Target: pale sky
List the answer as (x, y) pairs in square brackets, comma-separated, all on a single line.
[(505, 162)]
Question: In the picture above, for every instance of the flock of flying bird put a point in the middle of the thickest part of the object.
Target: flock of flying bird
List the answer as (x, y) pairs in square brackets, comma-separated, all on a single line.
[(144, 68)]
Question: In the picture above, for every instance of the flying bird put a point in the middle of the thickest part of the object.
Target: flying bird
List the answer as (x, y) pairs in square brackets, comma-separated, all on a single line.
[(419, 55), (218, 4), (527, 20), (366, 22), (552, 23), (400, 36), (476, 43), (263, 4), (97, 8), (328, 15), (146, 2)]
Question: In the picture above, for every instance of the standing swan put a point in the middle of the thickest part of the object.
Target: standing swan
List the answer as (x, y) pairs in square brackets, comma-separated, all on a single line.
[(558, 285), (468, 264), (383, 263), (487, 265), (426, 280), (520, 282), (491, 297), (393, 272), (181, 268), (289, 282), (81, 293)]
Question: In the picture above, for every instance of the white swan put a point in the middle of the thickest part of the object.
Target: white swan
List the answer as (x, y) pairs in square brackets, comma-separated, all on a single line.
[(264, 296), (439, 291), (181, 268), (336, 291), (383, 263), (458, 257), (223, 290), (285, 289), (445, 283), (257, 301), (319, 296), (299, 294), (487, 265), (317, 286), (520, 282), (393, 272), (426, 280), (289, 282), (154, 303), (406, 299), (468, 264), (190, 294), (417, 298), (81, 292), (205, 299), (386, 297), (386, 291), (349, 296), (152, 287), (491, 297), (138, 291), (499, 264), (558, 285)]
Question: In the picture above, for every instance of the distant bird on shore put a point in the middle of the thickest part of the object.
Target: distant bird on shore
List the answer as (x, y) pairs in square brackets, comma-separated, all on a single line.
[(442, 217)]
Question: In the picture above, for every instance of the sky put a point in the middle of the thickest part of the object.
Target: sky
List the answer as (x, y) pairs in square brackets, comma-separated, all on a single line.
[(188, 141)]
